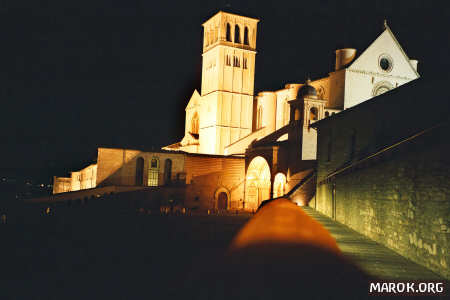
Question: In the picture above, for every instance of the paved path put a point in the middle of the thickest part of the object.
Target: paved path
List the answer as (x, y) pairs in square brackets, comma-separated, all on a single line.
[(374, 258)]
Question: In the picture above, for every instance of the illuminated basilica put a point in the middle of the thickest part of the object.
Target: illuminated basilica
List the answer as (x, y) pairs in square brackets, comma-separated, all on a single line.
[(240, 148)]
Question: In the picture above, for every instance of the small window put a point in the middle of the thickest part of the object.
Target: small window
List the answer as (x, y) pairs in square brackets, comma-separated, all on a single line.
[(245, 63), (228, 33), (385, 62), (154, 163), (228, 60), (313, 114), (153, 172), (195, 124), (259, 118), (237, 37), (246, 36), (236, 62)]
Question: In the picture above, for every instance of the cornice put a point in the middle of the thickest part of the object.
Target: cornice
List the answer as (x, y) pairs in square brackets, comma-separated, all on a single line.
[(378, 74)]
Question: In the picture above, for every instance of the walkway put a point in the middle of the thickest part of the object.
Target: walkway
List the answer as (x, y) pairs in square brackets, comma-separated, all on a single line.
[(374, 258)]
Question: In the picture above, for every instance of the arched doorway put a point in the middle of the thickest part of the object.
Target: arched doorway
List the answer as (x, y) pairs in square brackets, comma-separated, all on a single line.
[(140, 171), (257, 183), (279, 185), (222, 200)]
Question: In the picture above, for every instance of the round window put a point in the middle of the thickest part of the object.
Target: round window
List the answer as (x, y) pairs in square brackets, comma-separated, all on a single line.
[(385, 63)]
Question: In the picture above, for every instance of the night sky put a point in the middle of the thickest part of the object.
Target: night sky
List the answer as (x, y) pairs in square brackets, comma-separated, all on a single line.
[(76, 75)]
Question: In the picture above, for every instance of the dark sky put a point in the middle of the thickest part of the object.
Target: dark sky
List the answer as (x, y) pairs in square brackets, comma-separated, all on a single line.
[(76, 75)]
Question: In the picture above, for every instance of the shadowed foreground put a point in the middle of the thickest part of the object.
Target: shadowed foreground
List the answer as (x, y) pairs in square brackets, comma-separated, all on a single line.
[(81, 254), (90, 256)]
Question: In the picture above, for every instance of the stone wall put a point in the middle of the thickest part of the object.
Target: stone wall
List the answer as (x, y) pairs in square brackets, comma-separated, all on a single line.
[(118, 166), (384, 170), (401, 200), (62, 184), (206, 176)]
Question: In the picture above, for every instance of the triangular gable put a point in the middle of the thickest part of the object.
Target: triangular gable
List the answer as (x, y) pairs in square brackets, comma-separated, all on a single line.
[(386, 43), (194, 101)]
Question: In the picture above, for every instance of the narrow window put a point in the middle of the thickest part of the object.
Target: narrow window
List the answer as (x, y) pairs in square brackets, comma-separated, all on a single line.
[(245, 63), (153, 172), (313, 114), (228, 32), (246, 36), (236, 62), (194, 124), (237, 38), (259, 118)]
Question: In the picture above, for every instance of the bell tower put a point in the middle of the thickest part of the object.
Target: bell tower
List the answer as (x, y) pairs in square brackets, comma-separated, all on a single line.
[(306, 109), (228, 73)]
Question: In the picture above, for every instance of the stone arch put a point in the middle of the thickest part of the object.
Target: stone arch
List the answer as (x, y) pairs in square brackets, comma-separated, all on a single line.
[(228, 32), (246, 36), (257, 183), (237, 34), (279, 185), (381, 87), (218, 197)]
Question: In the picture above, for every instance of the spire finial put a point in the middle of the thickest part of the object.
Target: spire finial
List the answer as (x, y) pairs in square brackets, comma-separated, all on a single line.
[(385, 25)]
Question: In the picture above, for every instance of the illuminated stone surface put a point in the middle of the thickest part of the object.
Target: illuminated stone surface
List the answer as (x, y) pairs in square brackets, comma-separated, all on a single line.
[(231, 116), (227, 117), (390, 178), (370, 256)]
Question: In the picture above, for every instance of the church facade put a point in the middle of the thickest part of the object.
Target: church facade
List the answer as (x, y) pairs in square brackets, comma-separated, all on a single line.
[(240, 148)]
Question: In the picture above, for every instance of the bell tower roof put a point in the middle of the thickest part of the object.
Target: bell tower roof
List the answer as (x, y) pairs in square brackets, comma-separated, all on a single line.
[(307, 90), (231, 30)]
